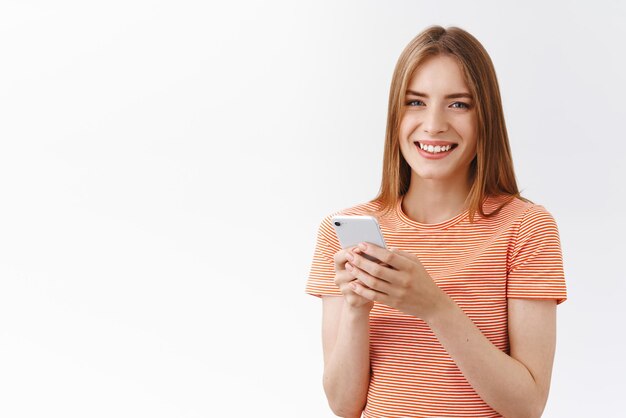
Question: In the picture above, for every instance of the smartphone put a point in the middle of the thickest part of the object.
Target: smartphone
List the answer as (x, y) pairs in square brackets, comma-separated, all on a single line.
[(352, 229)]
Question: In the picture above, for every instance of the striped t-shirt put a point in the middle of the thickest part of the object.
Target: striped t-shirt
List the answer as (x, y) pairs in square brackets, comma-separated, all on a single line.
[(514, 254)]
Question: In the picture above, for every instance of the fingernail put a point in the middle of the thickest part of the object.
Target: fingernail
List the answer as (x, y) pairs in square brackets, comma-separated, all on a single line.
[(349, 257), (363, 246)]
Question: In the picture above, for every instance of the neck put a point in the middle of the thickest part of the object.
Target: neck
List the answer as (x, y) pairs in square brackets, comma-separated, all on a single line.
[(433, 201)]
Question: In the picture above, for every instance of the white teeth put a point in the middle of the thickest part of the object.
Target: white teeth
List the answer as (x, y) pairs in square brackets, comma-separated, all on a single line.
[(435, 149)]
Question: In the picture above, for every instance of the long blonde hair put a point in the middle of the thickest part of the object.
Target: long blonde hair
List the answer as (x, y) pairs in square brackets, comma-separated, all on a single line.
[(491, 171)]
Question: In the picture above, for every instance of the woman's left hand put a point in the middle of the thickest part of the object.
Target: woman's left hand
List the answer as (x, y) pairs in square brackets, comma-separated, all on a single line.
[(402, 284)]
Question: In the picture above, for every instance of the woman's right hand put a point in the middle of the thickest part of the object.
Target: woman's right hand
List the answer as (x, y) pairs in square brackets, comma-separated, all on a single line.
[(343, 279)]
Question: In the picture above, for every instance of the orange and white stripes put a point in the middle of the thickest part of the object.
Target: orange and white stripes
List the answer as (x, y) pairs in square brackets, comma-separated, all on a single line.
[(515, 254)]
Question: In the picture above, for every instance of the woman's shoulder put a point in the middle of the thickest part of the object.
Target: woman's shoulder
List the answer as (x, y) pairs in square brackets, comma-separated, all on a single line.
[(517, 210)]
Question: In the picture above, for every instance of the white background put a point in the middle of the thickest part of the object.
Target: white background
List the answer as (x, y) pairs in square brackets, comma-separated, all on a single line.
[(164, 166)]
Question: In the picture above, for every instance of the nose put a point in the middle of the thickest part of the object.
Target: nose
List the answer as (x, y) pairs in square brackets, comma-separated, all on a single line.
[(434, 121)]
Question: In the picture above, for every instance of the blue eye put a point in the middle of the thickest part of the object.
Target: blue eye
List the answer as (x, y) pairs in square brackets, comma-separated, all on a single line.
[(464, 105), (409, 103)]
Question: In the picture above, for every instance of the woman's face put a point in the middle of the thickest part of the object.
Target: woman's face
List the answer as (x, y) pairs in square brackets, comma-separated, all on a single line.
[(439, 115)]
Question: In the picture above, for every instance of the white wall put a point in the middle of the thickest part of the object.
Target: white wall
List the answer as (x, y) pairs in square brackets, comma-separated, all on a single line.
[(164, 167)]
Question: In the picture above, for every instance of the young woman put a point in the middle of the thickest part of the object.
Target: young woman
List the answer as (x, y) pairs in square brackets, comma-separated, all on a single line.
[(459, 317)]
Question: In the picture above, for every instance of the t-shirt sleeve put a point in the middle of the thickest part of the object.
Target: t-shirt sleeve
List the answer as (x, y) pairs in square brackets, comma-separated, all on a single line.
[(321, 280), (536, 263)]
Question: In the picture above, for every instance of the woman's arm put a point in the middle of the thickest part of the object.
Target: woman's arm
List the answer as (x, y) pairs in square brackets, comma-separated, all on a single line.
[(515, 385), (345, 338)]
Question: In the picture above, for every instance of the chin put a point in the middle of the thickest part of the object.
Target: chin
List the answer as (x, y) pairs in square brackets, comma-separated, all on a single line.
[(432, 174)]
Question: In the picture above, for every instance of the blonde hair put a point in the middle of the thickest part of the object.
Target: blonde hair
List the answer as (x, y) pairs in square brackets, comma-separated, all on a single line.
[(491, 171)]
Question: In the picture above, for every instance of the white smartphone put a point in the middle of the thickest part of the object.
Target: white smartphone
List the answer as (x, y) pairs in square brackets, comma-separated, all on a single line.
[(352, 229)]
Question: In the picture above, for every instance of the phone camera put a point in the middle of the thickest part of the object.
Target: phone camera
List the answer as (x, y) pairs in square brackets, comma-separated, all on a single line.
[(337, 223)]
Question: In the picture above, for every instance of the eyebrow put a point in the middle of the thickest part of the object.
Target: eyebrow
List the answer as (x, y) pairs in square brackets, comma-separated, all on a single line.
[(449, 96)]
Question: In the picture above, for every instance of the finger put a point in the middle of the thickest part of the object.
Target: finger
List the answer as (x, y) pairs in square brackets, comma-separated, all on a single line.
[(411, 258), (357, 250), (340, 258), (374, 268), (343, 277), (368, 280), (384, 255), (363, 291)]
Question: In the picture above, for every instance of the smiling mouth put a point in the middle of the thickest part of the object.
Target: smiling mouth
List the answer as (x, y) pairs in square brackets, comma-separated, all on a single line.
[(435, 149)]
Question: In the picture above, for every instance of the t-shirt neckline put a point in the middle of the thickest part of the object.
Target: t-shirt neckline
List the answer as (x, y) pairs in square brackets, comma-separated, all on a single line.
[(440, 225)]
